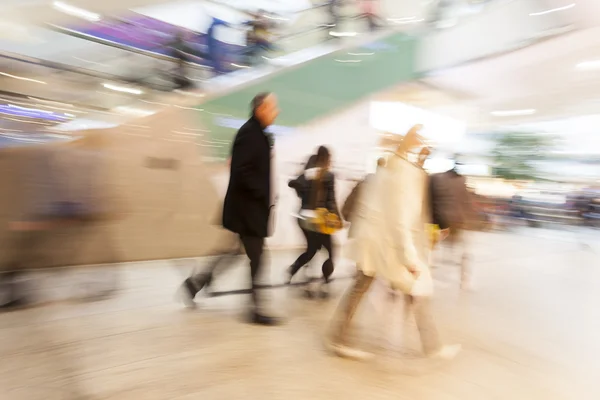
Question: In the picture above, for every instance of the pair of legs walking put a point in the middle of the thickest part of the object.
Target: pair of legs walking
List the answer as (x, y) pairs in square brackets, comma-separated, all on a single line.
[(421, 306), (456, 248), (314, 242), (233, 247)]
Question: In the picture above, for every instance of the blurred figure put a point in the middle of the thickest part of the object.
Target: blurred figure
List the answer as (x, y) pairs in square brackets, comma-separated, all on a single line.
[(391, 243), (248, 202), (259, 38), (351, 206), (214, 47), (62, 193), (332, 10), (181, 51), (300, 187), (226, 253), (369, 13), (451, 208), (317, 188)]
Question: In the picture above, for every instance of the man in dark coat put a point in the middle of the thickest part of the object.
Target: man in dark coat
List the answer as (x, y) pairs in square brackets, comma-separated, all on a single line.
[(248, 202), (451, 208)]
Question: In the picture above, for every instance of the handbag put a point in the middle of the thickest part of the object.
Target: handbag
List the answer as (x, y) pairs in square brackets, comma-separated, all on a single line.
[(320, 219)]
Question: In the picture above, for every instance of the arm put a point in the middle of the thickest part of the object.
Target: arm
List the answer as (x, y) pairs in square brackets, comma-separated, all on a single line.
[(299, 185), (244, 163)]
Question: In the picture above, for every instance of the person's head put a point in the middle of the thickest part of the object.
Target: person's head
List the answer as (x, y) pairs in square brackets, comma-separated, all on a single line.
[(265, 108), (312, 162), (412, 141), (323, 157)]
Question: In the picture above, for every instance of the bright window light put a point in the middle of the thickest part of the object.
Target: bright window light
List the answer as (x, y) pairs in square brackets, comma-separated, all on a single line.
[(22, 78), (567, 7), (343, 34), (122, 89), (588, 65), (76, 11), (513, 113)]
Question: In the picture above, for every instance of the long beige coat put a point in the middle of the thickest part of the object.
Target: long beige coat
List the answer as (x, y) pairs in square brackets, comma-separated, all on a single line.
[(390, 225)]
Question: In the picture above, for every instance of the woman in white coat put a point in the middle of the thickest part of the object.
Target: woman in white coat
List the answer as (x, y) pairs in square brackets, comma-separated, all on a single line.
[(391, 242)]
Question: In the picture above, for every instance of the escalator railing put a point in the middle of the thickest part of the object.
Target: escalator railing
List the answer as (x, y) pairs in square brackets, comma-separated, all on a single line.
[(305, 31)]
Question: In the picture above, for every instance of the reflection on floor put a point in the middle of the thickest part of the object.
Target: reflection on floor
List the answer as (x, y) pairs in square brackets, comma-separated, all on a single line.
[(529, 332)]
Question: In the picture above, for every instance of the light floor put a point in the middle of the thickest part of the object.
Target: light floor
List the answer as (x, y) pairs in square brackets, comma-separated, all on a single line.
[(530, 331)]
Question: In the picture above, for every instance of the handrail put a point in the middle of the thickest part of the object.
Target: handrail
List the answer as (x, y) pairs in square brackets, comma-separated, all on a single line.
[(60, 66), (107, 76), (314, 7), (160, 56), (110, 43)]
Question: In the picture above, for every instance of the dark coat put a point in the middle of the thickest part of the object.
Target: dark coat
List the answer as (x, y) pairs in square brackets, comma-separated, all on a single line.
[(300, 184), (449, 200), (319, 194), (248, 200)]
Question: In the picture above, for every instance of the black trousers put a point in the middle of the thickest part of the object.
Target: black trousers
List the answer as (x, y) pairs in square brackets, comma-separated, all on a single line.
[(314, 242), (254, 250), (254, 247)]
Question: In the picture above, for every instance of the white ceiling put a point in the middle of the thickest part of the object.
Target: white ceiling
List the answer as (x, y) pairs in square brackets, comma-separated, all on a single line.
[(541, 77)]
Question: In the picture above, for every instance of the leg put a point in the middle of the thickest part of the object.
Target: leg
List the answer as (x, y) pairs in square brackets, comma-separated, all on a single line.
[(312, 246), (328, 266), (198, 281), (421, 307), (466, 273), (348, 307), (254, 250), (227, 254), (430, 339)]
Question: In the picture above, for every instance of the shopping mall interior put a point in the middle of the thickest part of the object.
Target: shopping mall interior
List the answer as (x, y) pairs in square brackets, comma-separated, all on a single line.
[(117, 128)]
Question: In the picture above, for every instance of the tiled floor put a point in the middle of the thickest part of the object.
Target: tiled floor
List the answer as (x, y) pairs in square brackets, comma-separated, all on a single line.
[(529, 332)]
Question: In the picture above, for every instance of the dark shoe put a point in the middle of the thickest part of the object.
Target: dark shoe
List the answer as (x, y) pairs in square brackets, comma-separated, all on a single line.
[(292, 271), (188, 292), (259, 319)]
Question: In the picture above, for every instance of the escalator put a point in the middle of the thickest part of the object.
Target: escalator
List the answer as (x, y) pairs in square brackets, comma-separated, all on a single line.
[(127, 49), (323, 84), (317, 88)]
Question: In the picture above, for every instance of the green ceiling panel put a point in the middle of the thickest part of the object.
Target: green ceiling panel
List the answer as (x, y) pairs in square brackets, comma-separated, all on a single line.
[(317, 88)]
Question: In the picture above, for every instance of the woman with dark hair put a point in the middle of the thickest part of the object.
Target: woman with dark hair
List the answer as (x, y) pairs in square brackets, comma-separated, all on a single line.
[(316, 188)]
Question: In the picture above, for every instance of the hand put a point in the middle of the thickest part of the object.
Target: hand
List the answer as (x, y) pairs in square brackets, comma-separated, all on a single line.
[(414, 271), (444, 233)]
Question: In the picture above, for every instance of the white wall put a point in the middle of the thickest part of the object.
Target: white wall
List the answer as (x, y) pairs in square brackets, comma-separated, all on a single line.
[(498, 28)]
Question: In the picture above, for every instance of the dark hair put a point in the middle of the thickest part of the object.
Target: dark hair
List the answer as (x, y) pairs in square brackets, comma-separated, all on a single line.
[(257, 101), (323, 156), (312, 162)]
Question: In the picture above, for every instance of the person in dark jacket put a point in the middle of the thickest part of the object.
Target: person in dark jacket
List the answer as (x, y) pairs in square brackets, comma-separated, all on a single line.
[(300, 186), (317, 190), (248, 202), (451, 208)]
